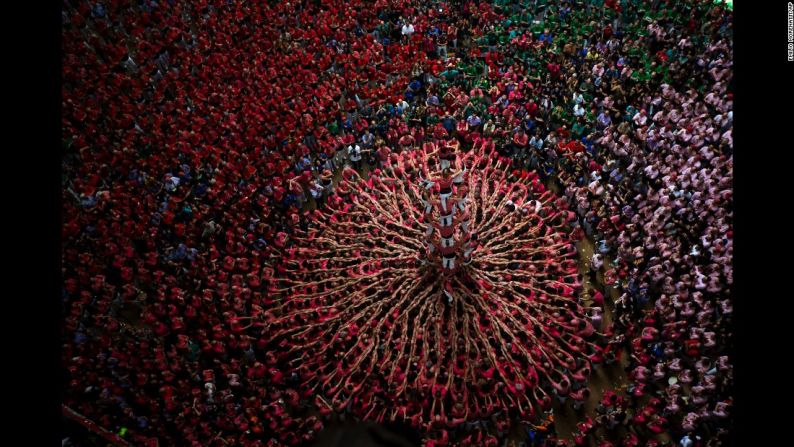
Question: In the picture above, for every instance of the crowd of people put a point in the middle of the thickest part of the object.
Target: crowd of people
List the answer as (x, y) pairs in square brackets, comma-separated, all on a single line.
[(199, 136), (440, 292)]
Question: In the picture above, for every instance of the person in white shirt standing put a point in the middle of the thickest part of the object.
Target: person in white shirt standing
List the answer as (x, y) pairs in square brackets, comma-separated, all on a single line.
[(354, 154), (407, 30)]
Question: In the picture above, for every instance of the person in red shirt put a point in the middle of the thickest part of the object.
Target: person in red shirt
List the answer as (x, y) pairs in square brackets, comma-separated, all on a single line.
[(520, 141)]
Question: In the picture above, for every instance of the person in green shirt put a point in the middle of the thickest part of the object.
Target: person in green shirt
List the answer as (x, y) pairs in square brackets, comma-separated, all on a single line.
[(449, 73), (590, 116), (333, 128), (578, 129), (471, 70), (630, 112)]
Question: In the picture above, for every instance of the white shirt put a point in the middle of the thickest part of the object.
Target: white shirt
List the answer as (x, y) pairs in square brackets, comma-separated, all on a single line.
[(355, 153), (408, 29)]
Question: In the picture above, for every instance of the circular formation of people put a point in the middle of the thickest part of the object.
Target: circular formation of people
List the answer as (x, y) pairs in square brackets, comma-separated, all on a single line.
[(282, 216)]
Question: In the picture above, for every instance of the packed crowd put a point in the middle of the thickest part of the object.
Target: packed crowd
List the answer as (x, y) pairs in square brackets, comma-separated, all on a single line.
[(438, 292), (649, 170), (197, 136)]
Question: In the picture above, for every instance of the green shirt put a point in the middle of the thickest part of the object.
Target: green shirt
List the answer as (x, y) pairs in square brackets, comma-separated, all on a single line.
[(630, 112), (451, 73), (470, 70), (578, 129)]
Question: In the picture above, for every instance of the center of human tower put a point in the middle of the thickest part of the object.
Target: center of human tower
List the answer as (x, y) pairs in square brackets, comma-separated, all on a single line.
[(448, 239)]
